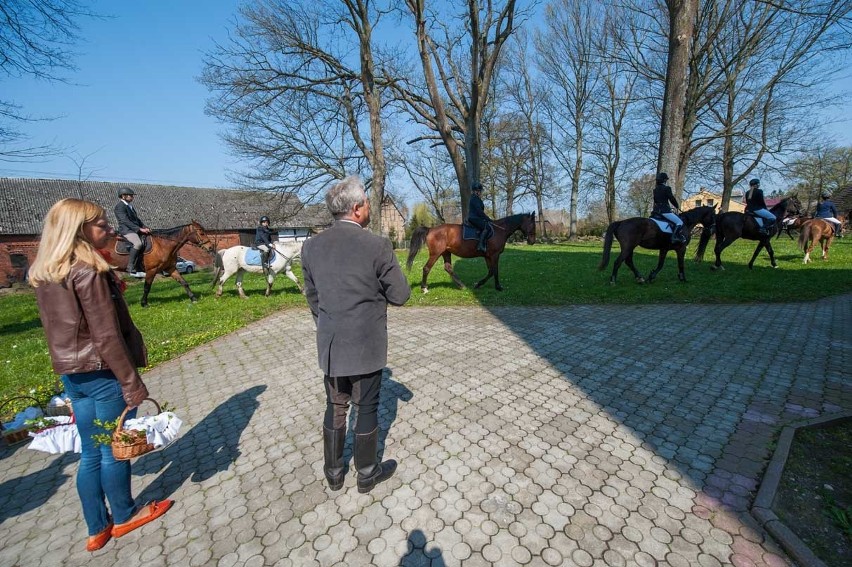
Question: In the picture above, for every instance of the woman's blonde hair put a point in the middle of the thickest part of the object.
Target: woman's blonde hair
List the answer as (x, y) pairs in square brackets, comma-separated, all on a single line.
[(63, 242)]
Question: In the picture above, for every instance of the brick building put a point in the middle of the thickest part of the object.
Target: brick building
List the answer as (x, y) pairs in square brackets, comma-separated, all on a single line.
[(228, 216)]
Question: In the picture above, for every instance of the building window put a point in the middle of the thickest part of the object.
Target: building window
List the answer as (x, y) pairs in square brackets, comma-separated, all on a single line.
[(19, 261), (710, 202), (698, 202)]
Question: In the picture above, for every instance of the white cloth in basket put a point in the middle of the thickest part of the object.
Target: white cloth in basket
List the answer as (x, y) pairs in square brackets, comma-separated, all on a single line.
[(161, 429), (63, 438)]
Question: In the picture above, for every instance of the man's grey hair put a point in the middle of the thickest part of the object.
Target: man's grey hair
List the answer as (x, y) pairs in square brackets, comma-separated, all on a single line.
[(344, 195)]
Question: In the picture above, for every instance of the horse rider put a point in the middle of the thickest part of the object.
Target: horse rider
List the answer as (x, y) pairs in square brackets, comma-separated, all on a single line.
[(130, 226), (826, 211), (476, 216), (757, 206), (263, 240), (662, 197)]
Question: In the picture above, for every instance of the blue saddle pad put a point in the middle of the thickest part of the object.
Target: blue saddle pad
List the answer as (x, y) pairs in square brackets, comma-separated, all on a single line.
[(471, 233), (253, 257)]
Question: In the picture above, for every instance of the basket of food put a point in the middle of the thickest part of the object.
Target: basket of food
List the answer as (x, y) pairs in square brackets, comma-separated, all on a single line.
[(130, 443)]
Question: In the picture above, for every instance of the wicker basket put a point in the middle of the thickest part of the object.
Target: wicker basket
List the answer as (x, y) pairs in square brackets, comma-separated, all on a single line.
[(128, 444), (54, 411), (14, 436)]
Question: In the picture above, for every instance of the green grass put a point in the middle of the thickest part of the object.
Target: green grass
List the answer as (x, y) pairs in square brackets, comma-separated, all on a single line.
[(562, 274)]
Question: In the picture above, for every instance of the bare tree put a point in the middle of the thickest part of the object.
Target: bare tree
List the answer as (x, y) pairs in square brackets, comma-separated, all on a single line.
[(449, 96), (35, 41), (297, 101), (826, 169), (431, 174), (640, 195), (528, 99), (564, 51)]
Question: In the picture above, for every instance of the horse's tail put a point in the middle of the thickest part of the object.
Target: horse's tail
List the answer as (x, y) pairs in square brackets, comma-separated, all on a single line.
[(220, 267), (805, 236), (418, 237), (702, 243), (610, 231)]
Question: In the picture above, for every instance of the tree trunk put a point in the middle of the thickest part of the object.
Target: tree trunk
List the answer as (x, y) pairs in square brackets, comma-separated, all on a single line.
[(681, 25)]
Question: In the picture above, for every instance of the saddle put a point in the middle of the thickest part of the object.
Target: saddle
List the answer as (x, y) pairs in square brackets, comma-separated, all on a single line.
[(665, 224), (253, 257), (123, 246), (760, 221), (470, 232)]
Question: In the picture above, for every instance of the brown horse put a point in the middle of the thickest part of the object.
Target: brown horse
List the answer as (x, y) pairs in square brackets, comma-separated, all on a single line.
[(162, 256), (731, 225), (813, 231), (446, 240), (641, 231)]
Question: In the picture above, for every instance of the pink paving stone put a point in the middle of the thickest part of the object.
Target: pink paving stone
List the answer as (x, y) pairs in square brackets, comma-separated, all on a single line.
[(773, 560), (746, 548), (742, 561), (704, 499), (726, 521), (751, 534), (702, 512)]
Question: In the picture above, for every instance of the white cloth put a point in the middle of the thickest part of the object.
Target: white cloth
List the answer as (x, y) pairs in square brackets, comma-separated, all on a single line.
[(58, 401), (161, 430), (63, 438)]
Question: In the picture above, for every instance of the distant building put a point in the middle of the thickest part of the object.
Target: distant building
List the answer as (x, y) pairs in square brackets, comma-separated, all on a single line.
[(705, 198), (230, 217), (393, 221)]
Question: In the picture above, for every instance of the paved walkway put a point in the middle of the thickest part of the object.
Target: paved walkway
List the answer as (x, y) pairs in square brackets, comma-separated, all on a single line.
[(526, 436)]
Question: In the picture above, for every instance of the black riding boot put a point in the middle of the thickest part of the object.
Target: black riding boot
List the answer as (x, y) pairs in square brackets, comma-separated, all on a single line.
[(332, 447), (677, 235), (370, 471), (482, 245), (132, 258)]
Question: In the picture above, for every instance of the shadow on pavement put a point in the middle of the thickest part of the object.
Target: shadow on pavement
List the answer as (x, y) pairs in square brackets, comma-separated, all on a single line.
[(420, 554), (211, 446), (392, 393), (26, 493)]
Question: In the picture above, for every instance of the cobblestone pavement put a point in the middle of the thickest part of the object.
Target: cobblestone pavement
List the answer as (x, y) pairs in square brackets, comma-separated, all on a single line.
[(605, 435)]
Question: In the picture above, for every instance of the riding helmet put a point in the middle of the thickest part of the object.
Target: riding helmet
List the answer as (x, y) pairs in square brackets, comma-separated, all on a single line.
[(264, 219), (125, 191), (476, 186), (825, 196), (662, 177), (754, 181)]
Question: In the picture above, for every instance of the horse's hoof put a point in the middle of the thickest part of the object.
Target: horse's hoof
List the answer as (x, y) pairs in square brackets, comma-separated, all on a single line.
[(612, 283), (193, 299), (498, 288), (640, 280)]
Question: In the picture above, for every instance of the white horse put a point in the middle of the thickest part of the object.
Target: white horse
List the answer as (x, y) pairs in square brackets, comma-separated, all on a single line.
[(231, 261)]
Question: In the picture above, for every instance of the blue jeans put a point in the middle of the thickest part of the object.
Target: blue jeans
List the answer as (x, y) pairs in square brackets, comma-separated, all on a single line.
[(97, 395)]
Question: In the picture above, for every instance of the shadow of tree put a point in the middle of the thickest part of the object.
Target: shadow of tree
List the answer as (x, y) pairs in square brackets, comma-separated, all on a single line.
[(20, 495), (211, 446), (420, 555)]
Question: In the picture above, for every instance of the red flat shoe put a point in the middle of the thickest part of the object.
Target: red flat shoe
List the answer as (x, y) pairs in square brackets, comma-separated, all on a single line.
[(155, 510), (96, 542)]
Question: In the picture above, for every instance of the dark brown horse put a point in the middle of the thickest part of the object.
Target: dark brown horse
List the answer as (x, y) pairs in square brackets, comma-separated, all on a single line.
[(641, 231), (446, 240), (162, 256), (731, 225), (813, 231)]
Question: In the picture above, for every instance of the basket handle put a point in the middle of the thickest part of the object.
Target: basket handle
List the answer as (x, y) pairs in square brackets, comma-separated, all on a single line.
[(120, 424)]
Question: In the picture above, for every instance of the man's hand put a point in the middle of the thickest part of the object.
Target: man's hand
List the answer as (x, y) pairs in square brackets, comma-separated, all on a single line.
[(145, 230)]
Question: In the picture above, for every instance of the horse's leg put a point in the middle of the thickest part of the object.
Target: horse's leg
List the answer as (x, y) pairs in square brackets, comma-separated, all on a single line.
[(760, 244), (496, 269), (826, 243), (226, 273), (289, 273), (721, 244), (429, 263), (681, 271), (270, 278), (179, 278), (628, 259), (490, 264), (771, 253), (240, 284), (661, 260), (146, 291), (448, 267)]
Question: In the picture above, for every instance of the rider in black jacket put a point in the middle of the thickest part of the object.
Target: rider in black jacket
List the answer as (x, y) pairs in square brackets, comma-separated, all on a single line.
[(662, 197), (263, 240), (756, 205), (476, 216)]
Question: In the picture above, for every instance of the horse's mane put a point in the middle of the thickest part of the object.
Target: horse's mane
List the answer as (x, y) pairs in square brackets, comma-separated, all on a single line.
[(782, 204), (169, 232), (514, 217)]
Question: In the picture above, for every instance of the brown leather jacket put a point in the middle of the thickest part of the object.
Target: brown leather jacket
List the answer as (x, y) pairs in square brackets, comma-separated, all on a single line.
[(88, 327)]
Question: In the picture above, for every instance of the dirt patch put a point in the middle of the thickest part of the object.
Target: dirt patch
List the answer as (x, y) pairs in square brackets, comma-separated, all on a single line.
[(814, 497)]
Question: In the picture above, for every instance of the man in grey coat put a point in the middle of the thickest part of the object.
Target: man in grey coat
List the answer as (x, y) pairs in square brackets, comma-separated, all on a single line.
[(350, 277)]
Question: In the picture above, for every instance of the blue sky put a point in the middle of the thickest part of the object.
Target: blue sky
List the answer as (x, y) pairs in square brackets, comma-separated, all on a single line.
[(135, 105)]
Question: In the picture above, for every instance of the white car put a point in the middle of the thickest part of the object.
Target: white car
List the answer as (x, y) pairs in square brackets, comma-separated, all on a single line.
[(183, 266)]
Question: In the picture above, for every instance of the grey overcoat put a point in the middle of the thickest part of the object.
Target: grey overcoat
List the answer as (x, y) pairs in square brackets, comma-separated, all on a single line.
[(350, 277)]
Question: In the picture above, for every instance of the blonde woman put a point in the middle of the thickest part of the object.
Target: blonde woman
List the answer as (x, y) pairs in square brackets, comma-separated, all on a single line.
[(96, 349)]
